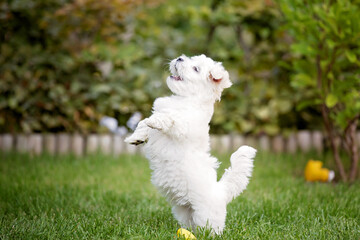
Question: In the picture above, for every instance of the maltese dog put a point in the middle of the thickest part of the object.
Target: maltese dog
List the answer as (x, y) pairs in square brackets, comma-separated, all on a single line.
[(176, 143)]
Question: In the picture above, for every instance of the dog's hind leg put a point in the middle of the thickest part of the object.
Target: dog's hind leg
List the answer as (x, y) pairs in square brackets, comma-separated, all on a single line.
[(183, 214), (211, 213)]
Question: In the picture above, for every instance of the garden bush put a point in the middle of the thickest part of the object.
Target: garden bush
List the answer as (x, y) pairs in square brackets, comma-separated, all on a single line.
[(65, 64), (53, 55), (325, 69)]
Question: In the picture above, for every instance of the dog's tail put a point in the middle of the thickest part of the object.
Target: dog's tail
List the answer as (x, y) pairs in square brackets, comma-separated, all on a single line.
[(236, 178)]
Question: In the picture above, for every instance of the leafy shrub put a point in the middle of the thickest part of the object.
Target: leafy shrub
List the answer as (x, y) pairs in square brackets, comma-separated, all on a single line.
[(52, 65), (325, 68), (64, 64)]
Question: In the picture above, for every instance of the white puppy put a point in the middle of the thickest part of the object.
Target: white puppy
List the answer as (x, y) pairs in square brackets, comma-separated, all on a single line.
[(176, 142)]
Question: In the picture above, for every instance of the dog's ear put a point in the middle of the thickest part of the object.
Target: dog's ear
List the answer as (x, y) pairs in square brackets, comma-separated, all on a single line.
[(219, 75)]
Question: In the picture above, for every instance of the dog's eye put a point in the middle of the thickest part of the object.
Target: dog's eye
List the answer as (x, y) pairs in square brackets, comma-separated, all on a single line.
[(196, 69)]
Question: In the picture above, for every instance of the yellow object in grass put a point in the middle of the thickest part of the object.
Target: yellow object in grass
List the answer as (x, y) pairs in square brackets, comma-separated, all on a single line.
[(314, 172), (182, 232)]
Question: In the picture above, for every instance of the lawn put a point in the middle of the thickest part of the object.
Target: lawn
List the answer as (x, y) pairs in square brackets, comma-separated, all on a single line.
[(99, 197)]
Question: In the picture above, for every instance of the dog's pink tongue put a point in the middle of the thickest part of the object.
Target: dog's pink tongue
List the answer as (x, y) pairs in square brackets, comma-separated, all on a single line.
[(178, 78)]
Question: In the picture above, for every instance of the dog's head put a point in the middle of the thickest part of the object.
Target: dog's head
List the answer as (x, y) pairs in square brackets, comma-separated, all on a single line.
[(197, 76)]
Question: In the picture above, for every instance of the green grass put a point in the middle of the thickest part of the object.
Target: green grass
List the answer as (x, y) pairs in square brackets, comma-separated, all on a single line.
[(98, 197)]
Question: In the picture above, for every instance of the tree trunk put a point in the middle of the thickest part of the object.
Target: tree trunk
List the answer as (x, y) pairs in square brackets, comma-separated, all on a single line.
[(353, 150), (339, 165), (332, 137)]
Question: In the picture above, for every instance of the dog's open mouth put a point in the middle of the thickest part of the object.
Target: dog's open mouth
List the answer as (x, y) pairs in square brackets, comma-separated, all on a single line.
[(177, 78)]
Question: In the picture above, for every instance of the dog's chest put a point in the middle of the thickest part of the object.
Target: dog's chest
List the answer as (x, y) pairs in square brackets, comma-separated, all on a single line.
[(185, 110)]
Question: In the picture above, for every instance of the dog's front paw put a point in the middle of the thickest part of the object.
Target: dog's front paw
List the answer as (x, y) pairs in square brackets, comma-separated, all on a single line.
[(153, 123), (159, 122), (133, 139), (140, 135)]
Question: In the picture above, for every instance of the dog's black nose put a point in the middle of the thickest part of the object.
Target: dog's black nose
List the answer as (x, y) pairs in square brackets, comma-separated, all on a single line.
[(180, 59)]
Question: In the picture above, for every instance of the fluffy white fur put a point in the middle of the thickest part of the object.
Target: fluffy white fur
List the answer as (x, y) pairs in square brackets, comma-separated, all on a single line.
[(176, 142)]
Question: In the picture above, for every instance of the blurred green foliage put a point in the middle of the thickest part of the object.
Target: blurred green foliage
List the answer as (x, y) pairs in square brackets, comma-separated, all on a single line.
[(247, 37), (64, 64), (325, 67), (325, 61)]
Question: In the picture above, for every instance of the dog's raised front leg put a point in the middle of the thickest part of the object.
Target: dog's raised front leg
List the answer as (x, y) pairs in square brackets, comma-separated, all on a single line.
[(167, 124), (140, 134), (160, 121)]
